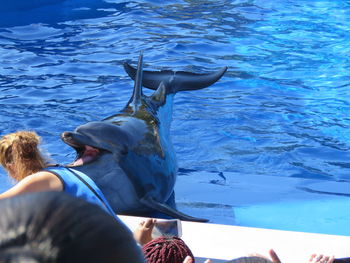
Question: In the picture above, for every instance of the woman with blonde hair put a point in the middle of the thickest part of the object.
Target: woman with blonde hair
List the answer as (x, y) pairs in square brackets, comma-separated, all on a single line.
[(20, 155), (22, 159)]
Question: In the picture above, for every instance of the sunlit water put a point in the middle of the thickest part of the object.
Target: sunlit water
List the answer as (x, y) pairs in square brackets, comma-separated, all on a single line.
[(282, 108)]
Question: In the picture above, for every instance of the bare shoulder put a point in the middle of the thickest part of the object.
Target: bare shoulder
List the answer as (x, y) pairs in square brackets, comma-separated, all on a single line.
[(43, 174), (46, 180), (42, 181), (37, 182)]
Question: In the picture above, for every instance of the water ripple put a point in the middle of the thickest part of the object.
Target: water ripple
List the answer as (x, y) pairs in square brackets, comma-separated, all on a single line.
[(282, 109)]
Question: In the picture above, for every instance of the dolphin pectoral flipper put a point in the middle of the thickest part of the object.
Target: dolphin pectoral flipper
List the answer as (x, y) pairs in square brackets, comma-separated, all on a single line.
[(176, 80), (165, 209)]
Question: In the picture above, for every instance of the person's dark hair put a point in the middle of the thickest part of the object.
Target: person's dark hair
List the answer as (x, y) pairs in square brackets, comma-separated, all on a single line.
[(166, 250), (56, 227)]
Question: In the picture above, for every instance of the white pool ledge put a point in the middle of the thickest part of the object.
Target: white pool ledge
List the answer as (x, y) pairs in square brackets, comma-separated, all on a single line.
[(226, 242)]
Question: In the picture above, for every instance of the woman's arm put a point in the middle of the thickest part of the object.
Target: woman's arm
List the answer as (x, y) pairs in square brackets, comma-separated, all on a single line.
[(38, 182)]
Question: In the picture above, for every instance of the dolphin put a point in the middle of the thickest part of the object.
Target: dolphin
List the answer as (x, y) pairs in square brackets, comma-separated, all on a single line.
[(129, 155)]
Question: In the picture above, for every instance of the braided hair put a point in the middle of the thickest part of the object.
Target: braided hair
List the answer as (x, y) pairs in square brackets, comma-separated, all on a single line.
[(166, 249)]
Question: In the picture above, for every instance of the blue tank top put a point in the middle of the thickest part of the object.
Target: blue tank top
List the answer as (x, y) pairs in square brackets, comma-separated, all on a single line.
[(80, 185)]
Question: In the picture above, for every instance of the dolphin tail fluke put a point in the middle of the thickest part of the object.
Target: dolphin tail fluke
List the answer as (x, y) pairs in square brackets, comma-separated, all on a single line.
[(175, 80), (165, 209)]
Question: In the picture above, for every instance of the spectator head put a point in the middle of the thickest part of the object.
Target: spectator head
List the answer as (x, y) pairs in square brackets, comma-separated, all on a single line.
[(56, 227), (166, 250)]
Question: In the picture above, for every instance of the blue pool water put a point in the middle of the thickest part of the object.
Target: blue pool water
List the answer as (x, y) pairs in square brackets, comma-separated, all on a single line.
[(282, 109)]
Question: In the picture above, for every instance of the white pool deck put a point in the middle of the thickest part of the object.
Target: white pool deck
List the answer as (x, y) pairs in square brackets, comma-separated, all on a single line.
[(244, 209), (223, 242)]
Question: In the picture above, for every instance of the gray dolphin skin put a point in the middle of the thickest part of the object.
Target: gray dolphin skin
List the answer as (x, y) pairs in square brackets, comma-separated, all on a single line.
[(130, 155)]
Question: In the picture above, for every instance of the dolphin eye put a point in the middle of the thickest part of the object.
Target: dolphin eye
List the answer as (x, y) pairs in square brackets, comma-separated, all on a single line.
[(124, 151)]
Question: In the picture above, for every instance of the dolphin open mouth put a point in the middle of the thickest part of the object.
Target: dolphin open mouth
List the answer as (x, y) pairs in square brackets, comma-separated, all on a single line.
[(85, 152), (87, 155)]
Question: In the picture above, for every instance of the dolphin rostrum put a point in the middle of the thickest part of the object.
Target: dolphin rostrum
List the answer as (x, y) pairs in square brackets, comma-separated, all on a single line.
[(130, 155)]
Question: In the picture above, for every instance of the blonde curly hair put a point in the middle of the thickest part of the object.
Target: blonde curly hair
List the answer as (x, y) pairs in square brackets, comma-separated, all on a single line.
[(20, 155)]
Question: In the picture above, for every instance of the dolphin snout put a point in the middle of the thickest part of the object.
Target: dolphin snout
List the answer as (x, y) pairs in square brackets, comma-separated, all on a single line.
[(73, 139), (65, 135)]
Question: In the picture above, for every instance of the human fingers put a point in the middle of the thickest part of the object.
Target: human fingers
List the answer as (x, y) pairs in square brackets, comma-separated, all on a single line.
[(327, 259), (321, 259), (188, 259), (312, 257), (149, 222), (274, 257), (316, 258)]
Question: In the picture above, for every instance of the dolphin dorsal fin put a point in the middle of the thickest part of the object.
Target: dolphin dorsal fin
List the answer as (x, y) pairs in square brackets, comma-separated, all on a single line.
[(137, 94), (160, 94)]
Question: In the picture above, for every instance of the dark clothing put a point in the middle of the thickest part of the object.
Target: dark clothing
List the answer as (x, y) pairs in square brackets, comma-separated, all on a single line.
[(342, 260)]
